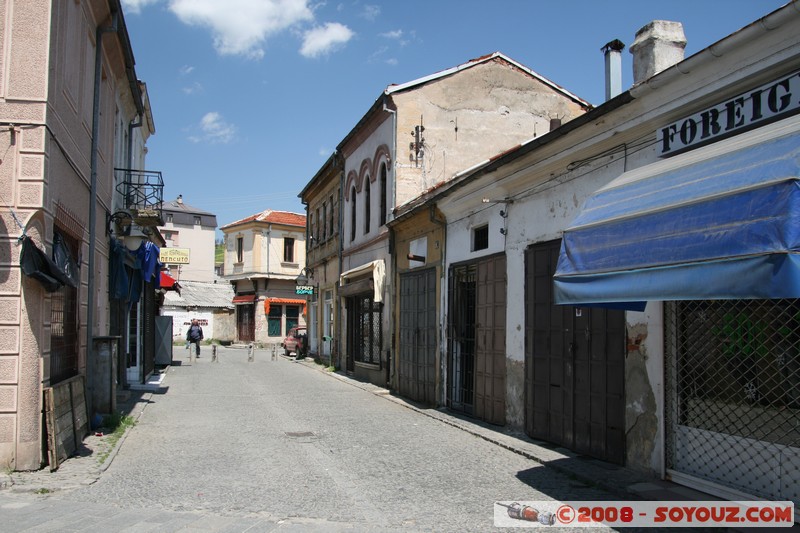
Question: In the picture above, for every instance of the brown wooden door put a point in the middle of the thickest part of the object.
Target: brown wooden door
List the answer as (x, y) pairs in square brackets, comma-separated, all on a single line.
[(245, 322), (417, 348), (490, 353), (574, 366)]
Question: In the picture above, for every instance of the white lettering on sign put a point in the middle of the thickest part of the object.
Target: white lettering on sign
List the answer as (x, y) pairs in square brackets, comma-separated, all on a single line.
[(768, 102)]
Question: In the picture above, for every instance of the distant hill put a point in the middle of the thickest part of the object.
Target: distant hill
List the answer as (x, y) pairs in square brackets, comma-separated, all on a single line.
[(219, 253)]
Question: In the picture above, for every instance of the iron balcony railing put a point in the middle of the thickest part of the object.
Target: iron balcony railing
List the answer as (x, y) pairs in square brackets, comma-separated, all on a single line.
[(143, 194)]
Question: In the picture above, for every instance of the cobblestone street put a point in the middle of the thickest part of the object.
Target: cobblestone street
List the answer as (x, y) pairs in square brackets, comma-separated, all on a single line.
[(252, 446)]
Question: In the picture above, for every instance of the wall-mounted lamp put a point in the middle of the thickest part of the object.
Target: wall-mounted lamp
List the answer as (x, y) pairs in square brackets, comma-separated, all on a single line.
[(302, 278), (413, 257), (124, 219)]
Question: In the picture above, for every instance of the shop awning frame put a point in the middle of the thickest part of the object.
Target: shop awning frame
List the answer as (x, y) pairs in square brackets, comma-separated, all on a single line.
[(721, 222), (376, 270)]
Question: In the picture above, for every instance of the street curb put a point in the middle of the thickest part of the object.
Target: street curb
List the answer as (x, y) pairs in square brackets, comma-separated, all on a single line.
[(113, 453)]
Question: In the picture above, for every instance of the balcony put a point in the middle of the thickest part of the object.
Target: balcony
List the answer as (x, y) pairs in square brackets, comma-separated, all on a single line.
[(143, 193)]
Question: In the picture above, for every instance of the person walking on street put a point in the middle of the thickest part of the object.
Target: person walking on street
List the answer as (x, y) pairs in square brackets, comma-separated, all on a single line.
[(194, 336)]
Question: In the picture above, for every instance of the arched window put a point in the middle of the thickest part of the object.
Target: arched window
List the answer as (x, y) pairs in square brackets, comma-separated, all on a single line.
[(353, 214), (367, 201), (383, 195)]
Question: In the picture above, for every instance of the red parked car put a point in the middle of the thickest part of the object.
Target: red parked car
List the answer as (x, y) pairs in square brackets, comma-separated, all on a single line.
[(296, 341)]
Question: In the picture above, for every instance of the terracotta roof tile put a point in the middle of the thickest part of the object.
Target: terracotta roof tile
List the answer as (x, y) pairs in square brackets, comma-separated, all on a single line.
[(272, 217)]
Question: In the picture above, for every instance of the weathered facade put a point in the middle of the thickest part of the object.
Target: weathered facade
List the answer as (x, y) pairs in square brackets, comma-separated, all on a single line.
[(263, 257), (322, 197), (418, 264), (448, 115), (700, 384), (60, 192), (210, 303)]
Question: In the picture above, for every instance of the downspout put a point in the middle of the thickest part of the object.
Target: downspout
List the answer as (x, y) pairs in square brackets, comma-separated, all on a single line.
[(390, 295), (339, 305), (393, 156), (98, 69), (442, 302), (131, 126)]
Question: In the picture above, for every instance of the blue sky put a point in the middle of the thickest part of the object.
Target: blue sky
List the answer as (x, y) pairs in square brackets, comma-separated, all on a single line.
[(250, 97)]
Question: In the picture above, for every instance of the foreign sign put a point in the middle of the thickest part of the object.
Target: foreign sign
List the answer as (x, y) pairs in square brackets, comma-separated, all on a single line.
[(304, 290), (174, 256), (769, 102)]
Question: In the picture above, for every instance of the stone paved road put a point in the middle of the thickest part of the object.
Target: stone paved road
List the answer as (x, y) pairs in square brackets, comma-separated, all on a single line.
[(239, 446)]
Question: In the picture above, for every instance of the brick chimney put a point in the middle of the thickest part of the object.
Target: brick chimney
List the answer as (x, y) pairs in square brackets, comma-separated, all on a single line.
[(658, 46)]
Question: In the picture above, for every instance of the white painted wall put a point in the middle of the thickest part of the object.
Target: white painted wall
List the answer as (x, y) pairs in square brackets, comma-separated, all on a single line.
[(367, 152)]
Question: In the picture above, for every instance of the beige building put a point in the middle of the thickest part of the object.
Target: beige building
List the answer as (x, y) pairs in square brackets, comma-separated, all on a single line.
[(416, 136), (59, 200), (189, 233), (264, 254), (322, 197)]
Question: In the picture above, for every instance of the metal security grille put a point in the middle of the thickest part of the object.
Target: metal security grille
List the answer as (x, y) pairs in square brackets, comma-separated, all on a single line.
[(733, 394), (461, 338), (366, 335), (64, 324), (63, 334)]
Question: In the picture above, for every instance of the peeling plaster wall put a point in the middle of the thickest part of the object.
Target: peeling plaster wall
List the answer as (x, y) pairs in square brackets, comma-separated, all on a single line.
[(494, 106), (644, 386)]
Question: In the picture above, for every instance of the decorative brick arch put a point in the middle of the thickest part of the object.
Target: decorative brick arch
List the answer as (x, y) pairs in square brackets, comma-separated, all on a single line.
[(382, 154), (352, 179), (365, 171)]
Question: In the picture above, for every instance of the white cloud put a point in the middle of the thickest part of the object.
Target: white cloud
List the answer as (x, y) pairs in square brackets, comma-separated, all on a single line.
[(240, 27), (322, 40), (213, 129), (135, 6), (195, 87), (370, 12), (186, 70), (395, 34)]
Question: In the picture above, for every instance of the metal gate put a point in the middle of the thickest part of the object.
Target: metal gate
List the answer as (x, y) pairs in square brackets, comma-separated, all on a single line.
[(733, 394), (417, 348), (364, 329), (245, 322), (476, 369), (574, 366)]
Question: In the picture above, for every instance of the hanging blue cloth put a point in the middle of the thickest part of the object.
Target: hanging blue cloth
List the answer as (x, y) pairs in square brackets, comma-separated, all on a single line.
[(147, 256)]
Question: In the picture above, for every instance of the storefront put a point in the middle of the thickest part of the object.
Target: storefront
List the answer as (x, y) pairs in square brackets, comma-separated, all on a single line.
[(713, 234)]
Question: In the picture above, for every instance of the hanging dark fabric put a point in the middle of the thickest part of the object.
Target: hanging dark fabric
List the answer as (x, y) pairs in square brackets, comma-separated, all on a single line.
[(37, 265), (119, 286), (66, 265)]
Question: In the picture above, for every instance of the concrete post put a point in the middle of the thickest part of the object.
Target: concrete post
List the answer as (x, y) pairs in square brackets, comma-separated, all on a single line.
[(214, 353), (250, 353)]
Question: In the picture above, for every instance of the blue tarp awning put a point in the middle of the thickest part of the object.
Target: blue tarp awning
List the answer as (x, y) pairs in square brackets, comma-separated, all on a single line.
[(722, 223)]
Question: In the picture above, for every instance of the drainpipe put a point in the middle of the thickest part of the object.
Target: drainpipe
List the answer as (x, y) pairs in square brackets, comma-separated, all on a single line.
[(391, 293), (340, 251), (393, 155), (98, 69), (131, 126)]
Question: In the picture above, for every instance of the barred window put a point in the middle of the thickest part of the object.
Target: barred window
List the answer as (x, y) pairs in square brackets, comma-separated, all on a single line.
[(365, 317), (64, 326)]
